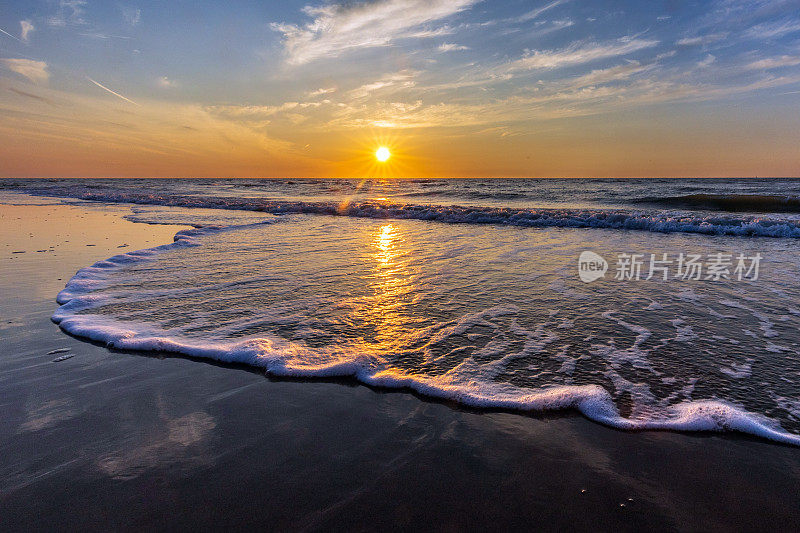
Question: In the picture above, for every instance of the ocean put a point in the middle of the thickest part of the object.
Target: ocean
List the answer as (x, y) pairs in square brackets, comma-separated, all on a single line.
[(644, 304)]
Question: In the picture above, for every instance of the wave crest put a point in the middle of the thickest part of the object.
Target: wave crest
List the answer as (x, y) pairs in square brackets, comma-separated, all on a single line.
[(457, 214)]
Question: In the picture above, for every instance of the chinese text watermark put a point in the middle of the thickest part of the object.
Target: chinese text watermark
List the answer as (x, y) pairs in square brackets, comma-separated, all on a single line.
[(683, 266)]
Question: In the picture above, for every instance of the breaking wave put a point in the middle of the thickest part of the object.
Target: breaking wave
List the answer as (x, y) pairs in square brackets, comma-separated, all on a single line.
[(457, 214)]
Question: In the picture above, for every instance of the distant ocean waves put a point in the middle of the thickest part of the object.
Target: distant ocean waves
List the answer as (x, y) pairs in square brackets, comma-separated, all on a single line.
[(638, 220), (742, 203)]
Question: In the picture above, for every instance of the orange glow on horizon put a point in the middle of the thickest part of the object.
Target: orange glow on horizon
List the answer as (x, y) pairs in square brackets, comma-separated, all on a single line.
[(380, 153)]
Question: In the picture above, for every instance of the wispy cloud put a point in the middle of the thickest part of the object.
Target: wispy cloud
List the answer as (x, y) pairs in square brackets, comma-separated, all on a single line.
[(26, 27), (112, 92), (68, 12), (339, 28), (701, 40), (321, 91), (570, 100), (774, 62), (36, 71), (608, 75), (771, 30), (707, 61), (579, 54), (396, 81), (166, 83), (452, 47), (561, 23), (147, 142)]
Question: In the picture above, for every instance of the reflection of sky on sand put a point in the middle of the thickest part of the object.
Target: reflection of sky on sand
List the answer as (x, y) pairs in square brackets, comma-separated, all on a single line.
[(59, 236), (170, 440), (45, 414)]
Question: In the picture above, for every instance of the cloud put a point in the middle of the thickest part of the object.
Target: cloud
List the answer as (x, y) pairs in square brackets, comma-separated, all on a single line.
[(579, 54), (68, 12), (399, 80), (701, 40), (561, 23), (560, 101), (131, 15), (321, 91), (251, 113), (31, 95), (26, 29), (451, 47), (608, 75), (339, 28), (774, 62), (166, 83), (709, 59), (36, 71), (771, 30)]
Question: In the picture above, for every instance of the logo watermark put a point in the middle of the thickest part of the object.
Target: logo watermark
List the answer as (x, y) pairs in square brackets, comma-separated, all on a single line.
[(683, 266), (591, 266)]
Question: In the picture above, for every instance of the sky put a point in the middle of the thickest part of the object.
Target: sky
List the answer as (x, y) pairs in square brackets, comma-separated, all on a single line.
[(452, 87)]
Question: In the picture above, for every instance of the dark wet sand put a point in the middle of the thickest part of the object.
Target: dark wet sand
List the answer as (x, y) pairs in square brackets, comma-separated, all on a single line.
[(121, 441)]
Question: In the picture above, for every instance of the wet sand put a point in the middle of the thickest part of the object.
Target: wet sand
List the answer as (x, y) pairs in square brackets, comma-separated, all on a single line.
[(123, 441)]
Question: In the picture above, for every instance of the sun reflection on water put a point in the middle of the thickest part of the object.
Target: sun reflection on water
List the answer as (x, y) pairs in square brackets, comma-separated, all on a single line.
[(392, 285), (384, 242)]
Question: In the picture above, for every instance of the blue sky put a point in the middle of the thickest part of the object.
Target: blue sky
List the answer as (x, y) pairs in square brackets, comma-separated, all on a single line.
[(297, 81)]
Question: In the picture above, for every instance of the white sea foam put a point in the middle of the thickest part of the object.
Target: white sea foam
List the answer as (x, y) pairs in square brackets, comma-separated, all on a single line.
[(685, 331), (466, 383), (737, 371)]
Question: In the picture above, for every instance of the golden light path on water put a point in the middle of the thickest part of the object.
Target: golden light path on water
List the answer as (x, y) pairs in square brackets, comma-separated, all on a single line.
[(392, 286)]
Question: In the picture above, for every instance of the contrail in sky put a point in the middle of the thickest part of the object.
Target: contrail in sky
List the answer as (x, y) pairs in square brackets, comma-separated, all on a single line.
[(109, 90), (4, 31)]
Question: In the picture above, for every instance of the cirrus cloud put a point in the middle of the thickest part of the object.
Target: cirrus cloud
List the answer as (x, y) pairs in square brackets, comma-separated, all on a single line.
[(774, 62), (339, 28), (452, 47), (577, 54)]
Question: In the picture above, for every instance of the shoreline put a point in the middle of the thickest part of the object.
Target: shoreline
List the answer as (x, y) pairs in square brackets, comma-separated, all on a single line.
[(325, 453)]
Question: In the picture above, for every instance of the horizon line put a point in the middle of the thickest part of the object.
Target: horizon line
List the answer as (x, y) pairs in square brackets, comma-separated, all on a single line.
[(392, 177)]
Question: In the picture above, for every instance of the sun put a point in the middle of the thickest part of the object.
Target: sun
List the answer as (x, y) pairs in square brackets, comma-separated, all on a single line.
[(382, 154)]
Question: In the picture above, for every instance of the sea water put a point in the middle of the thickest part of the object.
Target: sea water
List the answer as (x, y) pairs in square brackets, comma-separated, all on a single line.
[(470, 290)]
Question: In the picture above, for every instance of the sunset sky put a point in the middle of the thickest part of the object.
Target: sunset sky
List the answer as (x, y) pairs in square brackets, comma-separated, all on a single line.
[(452, 87)]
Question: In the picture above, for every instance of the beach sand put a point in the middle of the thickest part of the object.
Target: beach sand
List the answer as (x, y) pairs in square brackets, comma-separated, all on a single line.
[(112, 440)]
